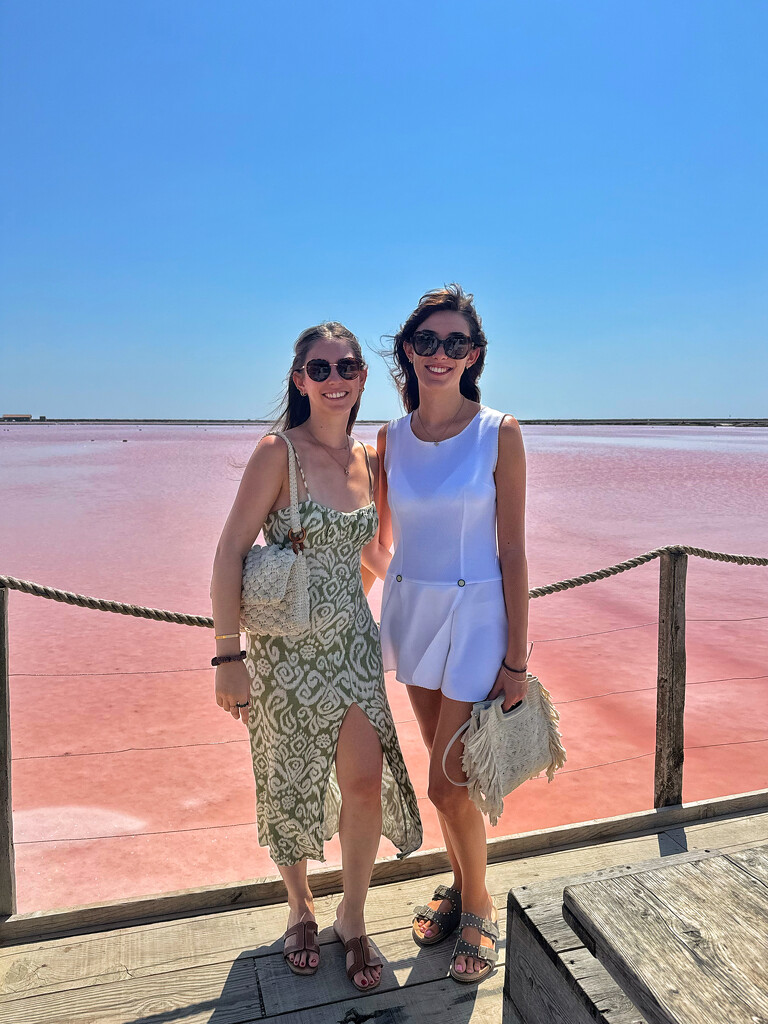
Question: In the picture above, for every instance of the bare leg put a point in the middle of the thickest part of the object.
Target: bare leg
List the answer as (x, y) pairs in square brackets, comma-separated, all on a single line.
[(464, 823), (301, 907), (358, 768), (426, 706)]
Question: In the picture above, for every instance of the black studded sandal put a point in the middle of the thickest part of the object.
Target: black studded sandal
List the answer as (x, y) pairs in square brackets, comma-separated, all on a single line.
[(463, 948), (445, 920)]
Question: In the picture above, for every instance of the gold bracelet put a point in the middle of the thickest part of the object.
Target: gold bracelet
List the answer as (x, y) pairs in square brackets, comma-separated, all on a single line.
[(227, 636), (517, 671)]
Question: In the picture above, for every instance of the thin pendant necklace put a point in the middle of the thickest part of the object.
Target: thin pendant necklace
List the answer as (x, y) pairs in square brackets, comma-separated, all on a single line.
[(330, 450), (437, 441)]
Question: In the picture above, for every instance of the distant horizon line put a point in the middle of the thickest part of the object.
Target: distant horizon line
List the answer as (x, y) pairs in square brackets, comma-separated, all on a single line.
[(641, 421)]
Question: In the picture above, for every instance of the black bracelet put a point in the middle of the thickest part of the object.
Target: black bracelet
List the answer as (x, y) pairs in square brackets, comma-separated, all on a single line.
[(507, 667), (222, 659)]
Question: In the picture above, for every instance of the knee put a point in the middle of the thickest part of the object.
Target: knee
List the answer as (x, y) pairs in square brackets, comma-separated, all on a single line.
[(363, 788), (446, 797)]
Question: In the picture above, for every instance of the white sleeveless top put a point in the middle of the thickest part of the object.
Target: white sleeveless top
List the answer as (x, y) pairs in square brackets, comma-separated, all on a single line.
[(443, 621)]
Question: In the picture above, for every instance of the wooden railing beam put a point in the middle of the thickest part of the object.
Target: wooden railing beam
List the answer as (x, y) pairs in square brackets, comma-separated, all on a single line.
[(7, 868), (670, 683)]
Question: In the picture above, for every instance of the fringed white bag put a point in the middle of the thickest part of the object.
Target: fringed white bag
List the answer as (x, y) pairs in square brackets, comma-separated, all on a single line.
[(503, 749), (275, 595)]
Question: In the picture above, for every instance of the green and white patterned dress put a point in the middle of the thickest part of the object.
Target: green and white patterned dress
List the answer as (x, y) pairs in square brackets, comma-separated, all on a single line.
[(301, 688)]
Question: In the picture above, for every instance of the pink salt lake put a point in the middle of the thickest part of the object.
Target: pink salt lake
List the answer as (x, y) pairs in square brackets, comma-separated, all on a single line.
[(127, 779)]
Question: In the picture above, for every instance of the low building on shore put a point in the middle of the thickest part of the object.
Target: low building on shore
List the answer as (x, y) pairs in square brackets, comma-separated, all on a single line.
[(17, 417)]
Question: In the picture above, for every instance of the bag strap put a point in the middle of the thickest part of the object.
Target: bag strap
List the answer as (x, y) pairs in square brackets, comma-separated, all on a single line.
[(370, 474), (297, 534), (459, 731)]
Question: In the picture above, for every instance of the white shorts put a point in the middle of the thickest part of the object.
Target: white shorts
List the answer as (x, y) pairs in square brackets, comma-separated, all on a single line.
[(444, 637)]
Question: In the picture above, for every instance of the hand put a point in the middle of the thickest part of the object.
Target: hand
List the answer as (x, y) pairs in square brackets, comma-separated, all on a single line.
[(514, 686), (233, 687)]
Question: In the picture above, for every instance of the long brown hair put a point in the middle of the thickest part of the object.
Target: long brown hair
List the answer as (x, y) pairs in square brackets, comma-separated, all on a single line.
[(451, 297), (294, 408)]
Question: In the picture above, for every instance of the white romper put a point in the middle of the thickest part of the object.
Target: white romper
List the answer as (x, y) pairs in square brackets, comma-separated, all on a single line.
[(443, 618)]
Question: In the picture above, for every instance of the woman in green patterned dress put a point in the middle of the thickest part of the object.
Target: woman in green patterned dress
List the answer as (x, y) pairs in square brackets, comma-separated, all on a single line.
[(325, 754)]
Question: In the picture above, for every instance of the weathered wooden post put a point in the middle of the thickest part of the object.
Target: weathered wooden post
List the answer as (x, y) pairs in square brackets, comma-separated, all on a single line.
[(670, 683), (7, 870)]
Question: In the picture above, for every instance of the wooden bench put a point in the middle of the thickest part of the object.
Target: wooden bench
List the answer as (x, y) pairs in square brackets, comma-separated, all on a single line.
[(687, 943), (550, 976)]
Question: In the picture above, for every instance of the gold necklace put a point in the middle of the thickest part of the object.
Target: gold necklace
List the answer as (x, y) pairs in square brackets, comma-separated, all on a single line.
[(434, 441), (329, 449)]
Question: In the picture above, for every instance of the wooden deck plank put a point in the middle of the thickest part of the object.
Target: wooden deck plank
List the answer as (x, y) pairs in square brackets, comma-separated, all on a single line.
[(438, 1002), (753, 862), (749, 830), (553, 979), (691, 943), (225, 993), (233, 988), (550, 992), (405, 965), (542, 903)]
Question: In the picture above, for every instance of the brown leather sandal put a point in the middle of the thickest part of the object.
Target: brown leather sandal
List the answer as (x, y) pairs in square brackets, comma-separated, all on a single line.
[(363, 956), (302, 936)]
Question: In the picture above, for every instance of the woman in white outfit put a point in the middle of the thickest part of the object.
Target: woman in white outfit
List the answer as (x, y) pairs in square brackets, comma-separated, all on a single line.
[(455, 604)]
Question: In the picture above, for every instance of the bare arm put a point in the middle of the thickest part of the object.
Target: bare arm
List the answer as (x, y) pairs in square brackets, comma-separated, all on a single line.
[(510, 529), (378, 554), (259, 489)]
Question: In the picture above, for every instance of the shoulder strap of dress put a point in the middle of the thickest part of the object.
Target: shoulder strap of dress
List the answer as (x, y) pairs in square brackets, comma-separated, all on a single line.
[(368, 465), (293, 455)]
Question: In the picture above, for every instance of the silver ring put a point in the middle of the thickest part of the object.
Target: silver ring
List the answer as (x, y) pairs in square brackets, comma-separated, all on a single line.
[(246, 705)]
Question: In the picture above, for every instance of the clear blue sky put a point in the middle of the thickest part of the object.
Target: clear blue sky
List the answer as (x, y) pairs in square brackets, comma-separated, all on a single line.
[(187, 184)]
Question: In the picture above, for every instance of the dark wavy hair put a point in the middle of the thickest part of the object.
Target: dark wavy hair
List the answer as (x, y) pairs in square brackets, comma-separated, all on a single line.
[(294, 408), (451, 297)]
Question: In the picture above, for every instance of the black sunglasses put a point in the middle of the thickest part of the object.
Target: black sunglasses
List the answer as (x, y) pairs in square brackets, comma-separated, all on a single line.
[(455, 346), (320, 369)]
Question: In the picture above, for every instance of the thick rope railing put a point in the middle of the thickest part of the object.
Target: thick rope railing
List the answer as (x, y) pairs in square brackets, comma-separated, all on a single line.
[(633, 563), (101, 605), (139, 611)]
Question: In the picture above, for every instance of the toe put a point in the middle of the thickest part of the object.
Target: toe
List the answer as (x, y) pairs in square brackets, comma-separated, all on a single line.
[(460, 965)]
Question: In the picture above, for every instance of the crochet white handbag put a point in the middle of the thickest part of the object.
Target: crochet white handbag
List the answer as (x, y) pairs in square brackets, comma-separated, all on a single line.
[(275, 595), (503, 749)]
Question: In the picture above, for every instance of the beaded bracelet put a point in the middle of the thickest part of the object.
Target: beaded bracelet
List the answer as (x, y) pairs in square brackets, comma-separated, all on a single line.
[(222, 659), (227, 636), (506, 668)]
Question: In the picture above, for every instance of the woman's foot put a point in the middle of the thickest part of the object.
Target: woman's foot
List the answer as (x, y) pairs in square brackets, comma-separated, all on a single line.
[(466, 965), (443, 910), (352, 927), (300, 949)]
